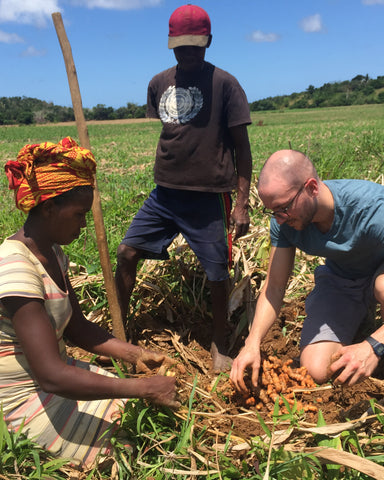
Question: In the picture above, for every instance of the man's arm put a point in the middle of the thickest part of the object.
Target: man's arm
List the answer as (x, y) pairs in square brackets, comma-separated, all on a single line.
[(243, 158), (267, 310)]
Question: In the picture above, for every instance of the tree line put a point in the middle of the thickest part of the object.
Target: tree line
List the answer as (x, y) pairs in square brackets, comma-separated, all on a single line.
[(26, 110), (360, 90)]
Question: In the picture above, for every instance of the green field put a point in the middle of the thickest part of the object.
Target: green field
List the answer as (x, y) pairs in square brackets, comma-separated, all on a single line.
[(341, 141)]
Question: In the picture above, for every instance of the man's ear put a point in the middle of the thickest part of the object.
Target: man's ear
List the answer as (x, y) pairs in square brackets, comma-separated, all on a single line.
[(313, 186), (209, 41)]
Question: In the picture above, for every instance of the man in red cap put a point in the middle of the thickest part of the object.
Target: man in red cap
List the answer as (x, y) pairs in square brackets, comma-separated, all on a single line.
[(202, 156)]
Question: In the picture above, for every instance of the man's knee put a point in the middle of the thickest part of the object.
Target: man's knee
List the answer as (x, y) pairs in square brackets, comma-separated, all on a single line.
[(127, 255), (316, 358), (379, 288), (219, 283), (316, 370)]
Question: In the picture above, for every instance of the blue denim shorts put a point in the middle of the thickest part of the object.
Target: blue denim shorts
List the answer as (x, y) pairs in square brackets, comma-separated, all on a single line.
[(201, 217), (337, 308)]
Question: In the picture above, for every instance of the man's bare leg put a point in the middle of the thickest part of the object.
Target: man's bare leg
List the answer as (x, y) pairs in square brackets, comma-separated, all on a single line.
[(221, 330), (125, 276)]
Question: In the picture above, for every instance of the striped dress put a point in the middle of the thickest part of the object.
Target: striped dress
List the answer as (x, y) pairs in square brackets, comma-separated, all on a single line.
[(68, 428)]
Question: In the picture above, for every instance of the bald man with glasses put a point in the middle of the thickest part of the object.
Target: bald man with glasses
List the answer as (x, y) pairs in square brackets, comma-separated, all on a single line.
[(342, 221)]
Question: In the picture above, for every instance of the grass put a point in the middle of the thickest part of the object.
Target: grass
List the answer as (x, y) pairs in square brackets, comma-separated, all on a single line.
[(343, 142), (21, 457)]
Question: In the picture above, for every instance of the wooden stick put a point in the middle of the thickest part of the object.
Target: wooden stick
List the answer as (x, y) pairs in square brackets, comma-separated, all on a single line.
[(82, 129)]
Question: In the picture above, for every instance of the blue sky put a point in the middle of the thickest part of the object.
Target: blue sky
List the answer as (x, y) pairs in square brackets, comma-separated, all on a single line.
[(273, 47)]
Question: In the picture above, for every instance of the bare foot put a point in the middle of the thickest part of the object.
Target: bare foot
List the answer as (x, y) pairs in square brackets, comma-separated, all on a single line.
[(220, 361)]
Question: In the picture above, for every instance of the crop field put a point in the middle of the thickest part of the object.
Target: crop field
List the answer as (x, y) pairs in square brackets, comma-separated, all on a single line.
[(330, 432), (342, 142)]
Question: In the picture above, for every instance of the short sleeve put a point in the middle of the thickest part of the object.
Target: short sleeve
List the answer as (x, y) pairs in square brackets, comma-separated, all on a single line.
[(236, 102), (151, 102), (20, 278), (278, 239)]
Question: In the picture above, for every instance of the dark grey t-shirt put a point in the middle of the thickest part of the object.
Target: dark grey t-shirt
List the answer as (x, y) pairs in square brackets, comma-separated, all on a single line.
[(195, 150)]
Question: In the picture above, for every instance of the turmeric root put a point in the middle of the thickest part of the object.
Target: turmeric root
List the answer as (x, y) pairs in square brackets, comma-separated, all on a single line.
[(278, 378)]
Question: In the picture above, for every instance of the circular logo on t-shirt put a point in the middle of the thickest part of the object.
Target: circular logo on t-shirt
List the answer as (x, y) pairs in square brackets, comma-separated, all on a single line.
[(180, 105)]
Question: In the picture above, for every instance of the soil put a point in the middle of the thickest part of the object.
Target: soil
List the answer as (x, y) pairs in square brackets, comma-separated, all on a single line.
[(189, 340)]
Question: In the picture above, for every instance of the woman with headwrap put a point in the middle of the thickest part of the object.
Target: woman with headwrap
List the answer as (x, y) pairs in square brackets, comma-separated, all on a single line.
[(66, 405)]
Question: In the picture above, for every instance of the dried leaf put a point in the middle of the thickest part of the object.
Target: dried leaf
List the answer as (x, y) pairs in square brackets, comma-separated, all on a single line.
[(350, 460)]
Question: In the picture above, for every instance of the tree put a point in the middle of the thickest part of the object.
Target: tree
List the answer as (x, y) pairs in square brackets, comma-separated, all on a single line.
[(25, 118), (262, 105), (300, 103), (101, 112), (311, 90)]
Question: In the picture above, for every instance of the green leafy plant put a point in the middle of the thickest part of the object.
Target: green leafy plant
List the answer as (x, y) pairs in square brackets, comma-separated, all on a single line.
[(22, 457)]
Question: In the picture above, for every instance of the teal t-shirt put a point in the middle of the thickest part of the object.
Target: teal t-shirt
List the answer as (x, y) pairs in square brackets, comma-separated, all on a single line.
[(354, 245)]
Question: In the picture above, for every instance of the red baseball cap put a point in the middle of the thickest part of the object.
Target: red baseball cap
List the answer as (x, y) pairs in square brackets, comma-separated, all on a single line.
[(189, 25)]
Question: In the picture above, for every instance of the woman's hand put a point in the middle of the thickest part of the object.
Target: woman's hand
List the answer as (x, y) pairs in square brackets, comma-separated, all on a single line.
[(147, 360), (162, 391)]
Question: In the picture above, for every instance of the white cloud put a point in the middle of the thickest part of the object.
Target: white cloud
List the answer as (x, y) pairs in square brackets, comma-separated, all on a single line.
[(38, 12), (312, 24), (259, 37), (33, 52), (34, 12), (372, 2), (10, 38), (116, 4)]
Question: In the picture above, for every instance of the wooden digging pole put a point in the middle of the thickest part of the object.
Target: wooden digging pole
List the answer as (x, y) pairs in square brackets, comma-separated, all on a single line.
[(110, 286)]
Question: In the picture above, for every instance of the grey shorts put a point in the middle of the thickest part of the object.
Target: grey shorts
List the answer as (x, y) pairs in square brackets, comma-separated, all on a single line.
[(337, 307)]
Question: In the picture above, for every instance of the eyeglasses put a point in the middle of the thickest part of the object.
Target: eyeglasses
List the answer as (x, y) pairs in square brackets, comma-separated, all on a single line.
[(284, 211)]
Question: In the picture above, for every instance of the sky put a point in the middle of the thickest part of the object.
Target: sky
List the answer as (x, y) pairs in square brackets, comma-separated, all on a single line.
[(273, 47)]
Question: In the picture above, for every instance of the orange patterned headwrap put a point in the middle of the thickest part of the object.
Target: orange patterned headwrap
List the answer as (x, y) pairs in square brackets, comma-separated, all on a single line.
[(47, 170)]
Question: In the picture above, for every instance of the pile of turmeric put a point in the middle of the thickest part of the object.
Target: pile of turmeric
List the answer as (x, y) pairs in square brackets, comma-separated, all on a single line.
[(278, 378)]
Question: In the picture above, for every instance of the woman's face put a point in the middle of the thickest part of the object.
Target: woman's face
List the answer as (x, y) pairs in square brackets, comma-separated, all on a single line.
[(68, 218)]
